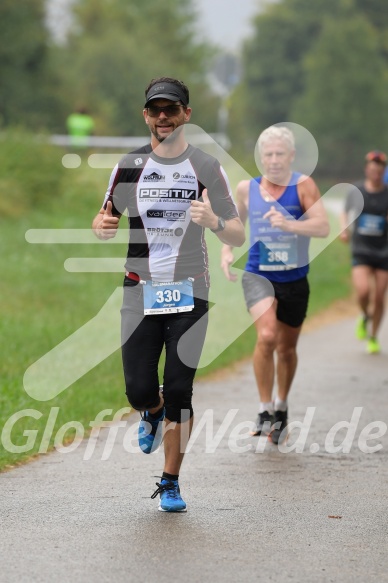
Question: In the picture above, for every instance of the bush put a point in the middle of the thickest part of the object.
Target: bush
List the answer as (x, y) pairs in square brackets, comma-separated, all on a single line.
[(31, 172)]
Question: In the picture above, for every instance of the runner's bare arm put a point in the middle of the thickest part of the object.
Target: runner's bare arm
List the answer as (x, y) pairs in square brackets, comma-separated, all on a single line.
[(227, 257), (314, 223), (344, 234)]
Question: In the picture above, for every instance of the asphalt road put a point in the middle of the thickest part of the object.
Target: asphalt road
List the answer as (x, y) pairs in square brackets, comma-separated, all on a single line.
[(254, 513)]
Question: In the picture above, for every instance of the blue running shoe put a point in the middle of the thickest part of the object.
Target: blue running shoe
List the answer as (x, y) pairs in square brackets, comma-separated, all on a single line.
[(170, 496), (150, 432)]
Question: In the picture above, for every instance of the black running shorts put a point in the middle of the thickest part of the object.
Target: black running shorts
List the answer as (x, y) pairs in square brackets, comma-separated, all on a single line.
[(371, 261), (144, 337), (292, 296)]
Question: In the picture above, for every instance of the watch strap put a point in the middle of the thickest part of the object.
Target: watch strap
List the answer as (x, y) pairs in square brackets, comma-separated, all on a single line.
[(221, 225)]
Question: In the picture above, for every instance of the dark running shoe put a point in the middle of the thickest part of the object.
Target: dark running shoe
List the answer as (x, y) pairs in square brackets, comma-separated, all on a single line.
[(150, 432), (279, 432), (263, 424), (170, 496)]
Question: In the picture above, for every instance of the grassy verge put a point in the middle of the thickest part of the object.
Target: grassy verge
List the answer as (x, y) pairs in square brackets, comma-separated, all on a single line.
[(43, 304)]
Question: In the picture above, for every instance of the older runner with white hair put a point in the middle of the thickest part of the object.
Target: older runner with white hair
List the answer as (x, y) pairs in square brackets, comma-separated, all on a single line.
[(284, 210)]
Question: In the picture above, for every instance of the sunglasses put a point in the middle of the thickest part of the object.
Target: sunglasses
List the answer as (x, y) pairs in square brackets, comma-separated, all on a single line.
[(376, 157), (168, 110)]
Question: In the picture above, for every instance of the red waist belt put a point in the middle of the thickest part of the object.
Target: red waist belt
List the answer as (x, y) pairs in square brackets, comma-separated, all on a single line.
[(134, 276)]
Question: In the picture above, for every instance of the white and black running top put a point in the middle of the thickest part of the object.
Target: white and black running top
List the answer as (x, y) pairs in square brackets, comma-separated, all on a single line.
[(165, 245)]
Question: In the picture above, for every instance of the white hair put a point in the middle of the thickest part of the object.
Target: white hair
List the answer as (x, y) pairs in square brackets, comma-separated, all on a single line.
[(276, 133)]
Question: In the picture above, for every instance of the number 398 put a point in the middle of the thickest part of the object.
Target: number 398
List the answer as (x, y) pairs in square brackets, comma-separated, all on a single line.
[(278, 256)]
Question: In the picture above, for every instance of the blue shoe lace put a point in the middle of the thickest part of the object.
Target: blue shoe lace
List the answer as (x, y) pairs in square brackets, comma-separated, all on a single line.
[(150, 432), (170, 496)]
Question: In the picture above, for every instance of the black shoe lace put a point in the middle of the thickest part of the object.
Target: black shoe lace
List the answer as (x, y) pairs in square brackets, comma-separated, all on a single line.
[(169, 485)]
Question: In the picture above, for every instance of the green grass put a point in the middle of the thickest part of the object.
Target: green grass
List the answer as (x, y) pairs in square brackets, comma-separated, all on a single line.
[(42, 304)]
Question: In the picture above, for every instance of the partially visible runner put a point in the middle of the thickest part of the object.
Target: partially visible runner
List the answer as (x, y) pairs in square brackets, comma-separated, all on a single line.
[(80, 126), (171, 191), (284, 210), (369, 247), (386, 175)]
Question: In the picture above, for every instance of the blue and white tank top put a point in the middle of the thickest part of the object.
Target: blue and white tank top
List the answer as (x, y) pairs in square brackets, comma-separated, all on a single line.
[(275, 254)]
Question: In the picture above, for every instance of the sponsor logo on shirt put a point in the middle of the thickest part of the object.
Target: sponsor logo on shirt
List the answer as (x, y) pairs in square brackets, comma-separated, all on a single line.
[(174, 193), (169, 215), (164, 232), (186, 178), (154, 177)]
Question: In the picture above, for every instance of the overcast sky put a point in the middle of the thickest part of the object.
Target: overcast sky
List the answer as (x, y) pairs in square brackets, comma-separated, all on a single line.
[(227, 22)]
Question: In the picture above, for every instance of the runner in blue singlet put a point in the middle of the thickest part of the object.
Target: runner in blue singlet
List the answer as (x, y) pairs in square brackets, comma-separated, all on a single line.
[(284, 210)]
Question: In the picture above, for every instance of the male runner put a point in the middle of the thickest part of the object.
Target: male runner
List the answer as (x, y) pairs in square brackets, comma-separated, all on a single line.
[(284, 210), (171, 191), (369, 248)]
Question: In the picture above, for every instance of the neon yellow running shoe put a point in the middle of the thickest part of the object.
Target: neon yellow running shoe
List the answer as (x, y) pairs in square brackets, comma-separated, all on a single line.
[(373, 346), (361, 328)]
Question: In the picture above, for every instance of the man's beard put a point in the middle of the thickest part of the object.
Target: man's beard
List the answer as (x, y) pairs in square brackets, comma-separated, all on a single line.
[(168, 139)]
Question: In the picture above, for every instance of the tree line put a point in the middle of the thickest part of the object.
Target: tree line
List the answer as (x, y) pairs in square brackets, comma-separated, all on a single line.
[(113, 49), (320, 63), (324, 65)]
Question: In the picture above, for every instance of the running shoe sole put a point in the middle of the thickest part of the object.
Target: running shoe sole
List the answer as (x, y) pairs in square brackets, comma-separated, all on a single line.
[(171, 510)]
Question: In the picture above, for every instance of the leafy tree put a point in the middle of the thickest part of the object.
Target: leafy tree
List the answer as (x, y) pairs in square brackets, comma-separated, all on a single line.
[(118, 46), (278, 70), (377, 14), (23, 63), (375, 11), (344, 103), (272, 59)]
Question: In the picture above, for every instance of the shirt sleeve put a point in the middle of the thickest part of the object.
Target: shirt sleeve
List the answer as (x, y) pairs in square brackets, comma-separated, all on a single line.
[(221, 196), (211, 175), (113, 181)]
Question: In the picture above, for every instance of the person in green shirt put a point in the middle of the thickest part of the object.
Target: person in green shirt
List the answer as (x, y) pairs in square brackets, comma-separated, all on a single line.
[(80, 126)]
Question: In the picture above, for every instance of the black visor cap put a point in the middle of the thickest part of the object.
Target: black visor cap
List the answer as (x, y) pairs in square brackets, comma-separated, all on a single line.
[(166, 91)]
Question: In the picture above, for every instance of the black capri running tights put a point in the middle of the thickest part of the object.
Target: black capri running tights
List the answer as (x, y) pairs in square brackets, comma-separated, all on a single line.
[(143, 339)]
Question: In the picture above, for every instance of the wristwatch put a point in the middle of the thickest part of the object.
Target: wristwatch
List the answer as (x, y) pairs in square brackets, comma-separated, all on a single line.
[(221, 225)]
